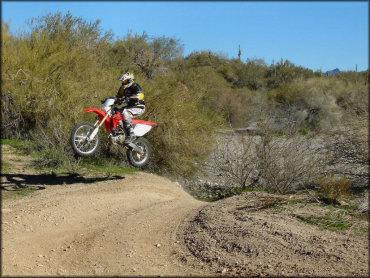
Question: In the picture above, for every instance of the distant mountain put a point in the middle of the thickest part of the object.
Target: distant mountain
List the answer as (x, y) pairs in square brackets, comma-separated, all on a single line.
[(332, 72)]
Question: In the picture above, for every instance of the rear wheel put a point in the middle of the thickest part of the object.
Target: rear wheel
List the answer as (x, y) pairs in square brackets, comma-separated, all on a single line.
[(80, 145), (137, 159)]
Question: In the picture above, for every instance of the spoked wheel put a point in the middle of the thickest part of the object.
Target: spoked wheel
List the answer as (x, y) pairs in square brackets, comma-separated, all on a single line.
[(137, 159), (79, 140)]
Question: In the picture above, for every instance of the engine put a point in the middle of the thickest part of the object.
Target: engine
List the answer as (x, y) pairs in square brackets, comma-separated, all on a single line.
[(118, 139), (118, 136)]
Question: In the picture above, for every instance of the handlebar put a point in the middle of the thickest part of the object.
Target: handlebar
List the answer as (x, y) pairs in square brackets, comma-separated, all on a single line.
[(117, 100), (120, 101)]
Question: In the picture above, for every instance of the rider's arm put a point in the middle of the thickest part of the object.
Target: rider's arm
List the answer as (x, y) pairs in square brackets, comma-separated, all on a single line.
[(135, 91), (136, 95), (121, 92)]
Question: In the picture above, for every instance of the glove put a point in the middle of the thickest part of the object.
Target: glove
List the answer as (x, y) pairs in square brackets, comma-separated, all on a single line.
[(119, 101)]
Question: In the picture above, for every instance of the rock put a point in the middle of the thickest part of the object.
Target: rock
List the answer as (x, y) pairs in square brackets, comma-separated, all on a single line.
[(158, 245)]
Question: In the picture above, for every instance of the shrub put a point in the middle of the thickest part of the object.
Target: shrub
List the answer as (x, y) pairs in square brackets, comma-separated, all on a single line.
[(270, 160), (284, 72), (64, 65), (334, 188), (235, 160), (288, 161), (181, 140), (150, 56)]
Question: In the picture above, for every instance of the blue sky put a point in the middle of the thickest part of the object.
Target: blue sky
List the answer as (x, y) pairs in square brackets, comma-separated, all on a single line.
[(316, 35)]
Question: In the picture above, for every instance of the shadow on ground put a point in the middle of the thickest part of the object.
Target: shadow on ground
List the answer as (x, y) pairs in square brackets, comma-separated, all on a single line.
[(16, 182)]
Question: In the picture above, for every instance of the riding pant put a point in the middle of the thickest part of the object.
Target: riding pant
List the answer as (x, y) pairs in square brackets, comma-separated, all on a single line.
[(130, 112)]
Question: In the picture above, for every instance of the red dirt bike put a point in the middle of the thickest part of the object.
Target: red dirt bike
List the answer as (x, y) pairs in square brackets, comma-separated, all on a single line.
[(85, 138)]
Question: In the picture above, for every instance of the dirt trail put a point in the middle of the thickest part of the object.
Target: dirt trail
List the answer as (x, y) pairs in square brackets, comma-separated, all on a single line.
[(143, 224), (117, 227)]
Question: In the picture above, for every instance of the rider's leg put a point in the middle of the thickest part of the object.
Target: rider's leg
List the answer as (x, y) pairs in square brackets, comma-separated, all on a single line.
[(130, 112), (128, 125)]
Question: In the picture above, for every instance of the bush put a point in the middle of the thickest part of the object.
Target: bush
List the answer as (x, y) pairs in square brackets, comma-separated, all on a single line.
[(334, 188), (289, 161), (284, 72), (181, 140), (321, 104), (268, 160), (64, 65), (61, 74), (235, 159)]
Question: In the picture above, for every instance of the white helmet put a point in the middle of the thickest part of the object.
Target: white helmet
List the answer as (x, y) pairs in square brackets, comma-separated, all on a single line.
[(127, 79)]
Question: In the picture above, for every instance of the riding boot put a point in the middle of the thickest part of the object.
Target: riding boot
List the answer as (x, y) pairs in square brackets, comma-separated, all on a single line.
[(130, 134)]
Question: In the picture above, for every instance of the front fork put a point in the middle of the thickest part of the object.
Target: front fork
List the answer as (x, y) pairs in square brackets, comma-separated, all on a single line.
[(97, 126)]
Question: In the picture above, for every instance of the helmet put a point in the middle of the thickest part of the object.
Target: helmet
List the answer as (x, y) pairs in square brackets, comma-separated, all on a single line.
[(127, 79)]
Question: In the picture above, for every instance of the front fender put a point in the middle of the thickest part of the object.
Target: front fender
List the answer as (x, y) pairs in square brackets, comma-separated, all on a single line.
[(101, 113)]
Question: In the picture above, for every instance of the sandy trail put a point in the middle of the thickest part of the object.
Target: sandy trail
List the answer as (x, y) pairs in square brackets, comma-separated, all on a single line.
[(117, 227), (145, 225)]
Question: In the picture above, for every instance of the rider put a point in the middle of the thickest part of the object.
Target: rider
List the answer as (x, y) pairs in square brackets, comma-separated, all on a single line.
[(136, 104)]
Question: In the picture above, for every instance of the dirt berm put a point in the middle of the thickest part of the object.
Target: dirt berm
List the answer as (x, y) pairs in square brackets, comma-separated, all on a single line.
[(143, 224)]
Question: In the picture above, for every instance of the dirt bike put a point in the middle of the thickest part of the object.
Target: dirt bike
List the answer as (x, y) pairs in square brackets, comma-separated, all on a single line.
[(85, 138)]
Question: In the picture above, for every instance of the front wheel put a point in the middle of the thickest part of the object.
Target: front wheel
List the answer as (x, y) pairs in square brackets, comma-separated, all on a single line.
[(137, 159), (80, 145)]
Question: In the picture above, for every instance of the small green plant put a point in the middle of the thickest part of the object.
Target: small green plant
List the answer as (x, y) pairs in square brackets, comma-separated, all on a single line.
[(280, 134), (334, 188), (24, 192), (280, 203), (330, 221), (18, 144), (303, 131), (109, 167)]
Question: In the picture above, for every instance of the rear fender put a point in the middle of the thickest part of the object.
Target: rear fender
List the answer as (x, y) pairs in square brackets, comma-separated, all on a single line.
[(143, 122), (142, 127)]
